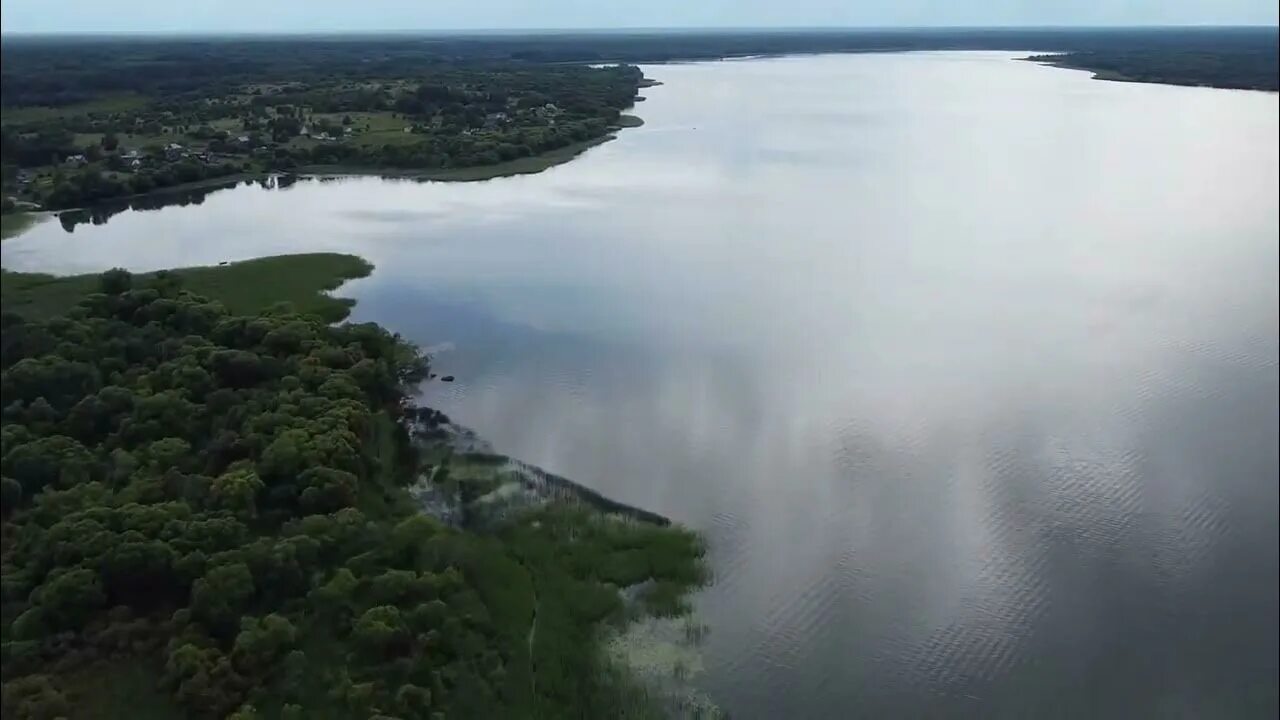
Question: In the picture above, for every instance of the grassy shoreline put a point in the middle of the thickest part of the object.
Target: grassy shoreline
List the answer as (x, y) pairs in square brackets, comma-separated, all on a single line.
[(250, 286)]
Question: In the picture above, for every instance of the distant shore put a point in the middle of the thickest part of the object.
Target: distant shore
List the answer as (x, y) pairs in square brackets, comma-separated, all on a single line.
[(1080, 61)]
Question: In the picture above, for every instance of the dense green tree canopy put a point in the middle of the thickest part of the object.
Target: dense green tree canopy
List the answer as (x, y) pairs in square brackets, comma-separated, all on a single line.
[(218, 500)]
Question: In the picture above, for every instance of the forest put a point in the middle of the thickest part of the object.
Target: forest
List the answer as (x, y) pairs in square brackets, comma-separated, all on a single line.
[(205, 515)]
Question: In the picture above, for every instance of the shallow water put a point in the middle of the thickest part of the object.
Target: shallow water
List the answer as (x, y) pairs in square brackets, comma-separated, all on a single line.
[(966, 367)]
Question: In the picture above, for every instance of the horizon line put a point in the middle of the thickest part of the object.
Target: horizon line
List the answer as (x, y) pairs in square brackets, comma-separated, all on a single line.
[(617, 30)]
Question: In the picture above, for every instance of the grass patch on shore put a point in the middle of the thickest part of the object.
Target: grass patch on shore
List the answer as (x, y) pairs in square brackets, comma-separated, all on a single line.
[(520, 166), (14, 224), (244, 287)]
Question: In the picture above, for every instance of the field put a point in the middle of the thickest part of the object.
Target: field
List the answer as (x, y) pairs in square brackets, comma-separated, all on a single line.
[(374, 129), (107, 104)]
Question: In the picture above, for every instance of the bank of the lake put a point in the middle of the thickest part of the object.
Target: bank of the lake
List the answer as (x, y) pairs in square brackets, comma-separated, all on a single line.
[(301, 280), (15, 223)]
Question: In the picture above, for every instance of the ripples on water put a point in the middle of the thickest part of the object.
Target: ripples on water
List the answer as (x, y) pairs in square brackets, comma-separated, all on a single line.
[(966, 367)]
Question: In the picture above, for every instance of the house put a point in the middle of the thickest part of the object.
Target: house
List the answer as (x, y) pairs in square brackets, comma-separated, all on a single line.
[(172, 151), (130, 155), (76, 161)]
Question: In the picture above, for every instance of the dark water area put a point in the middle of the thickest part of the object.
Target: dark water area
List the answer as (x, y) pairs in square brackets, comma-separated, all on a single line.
[(966, 367)]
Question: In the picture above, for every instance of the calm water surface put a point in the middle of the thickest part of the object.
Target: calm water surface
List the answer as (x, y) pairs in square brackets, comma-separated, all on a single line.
[(966, 367)]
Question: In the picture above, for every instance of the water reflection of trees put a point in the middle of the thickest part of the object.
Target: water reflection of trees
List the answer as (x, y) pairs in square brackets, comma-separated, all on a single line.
[(100, 214)]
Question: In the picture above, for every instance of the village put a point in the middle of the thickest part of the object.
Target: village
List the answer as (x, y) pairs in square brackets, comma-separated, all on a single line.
[(77, 157)]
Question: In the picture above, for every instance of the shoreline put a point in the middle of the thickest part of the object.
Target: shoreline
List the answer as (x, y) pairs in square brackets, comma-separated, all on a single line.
[(473, 489), (15, 223), (531, 165)]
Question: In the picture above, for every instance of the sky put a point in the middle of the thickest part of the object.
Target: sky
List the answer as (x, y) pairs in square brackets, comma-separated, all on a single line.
[(287, 16)]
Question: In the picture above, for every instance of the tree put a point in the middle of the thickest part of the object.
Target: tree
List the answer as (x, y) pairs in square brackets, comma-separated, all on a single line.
[(338, 594), (116, 281), (219, 598), (30, 625), (34, 697), (70, 597), (237, 490), (381, 631), (261, 642), (413, 701), (287, 455), (203, 680), (326, 490), (10, 495), (166, 453), (56, 461), (140, 574)]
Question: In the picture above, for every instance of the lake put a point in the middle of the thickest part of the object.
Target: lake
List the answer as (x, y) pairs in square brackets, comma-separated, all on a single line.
[(966, 367)]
